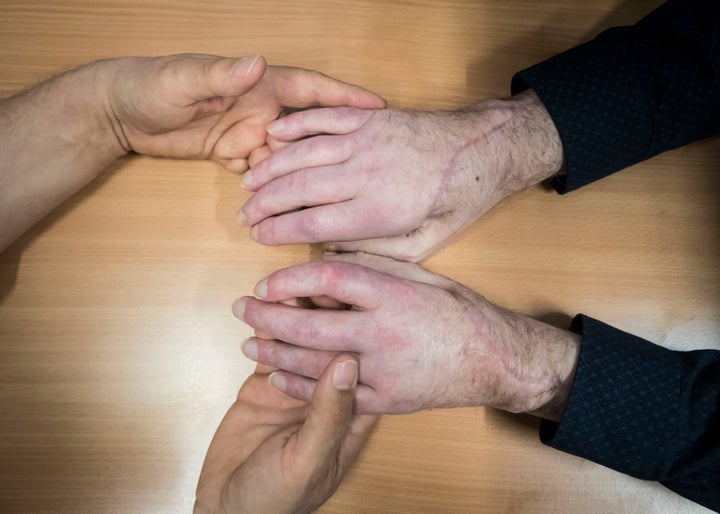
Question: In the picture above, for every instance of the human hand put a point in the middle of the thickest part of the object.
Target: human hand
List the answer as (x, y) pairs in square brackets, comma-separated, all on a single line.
[(202, 106), (272, 453), (396, 183), (421, 340)]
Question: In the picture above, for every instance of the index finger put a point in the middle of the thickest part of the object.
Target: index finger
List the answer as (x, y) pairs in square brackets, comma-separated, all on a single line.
[(348, 283), (348, 220), (300, 88), (330, 120)]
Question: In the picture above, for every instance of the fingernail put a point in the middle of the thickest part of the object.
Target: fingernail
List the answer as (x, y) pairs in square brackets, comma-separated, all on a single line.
[(261, 289), (238, 308), (277, 380), (249, 349), (254, 233), (247, 179), (244, 66), (345, 375), (276, 126), (332, 248), (242, 218)]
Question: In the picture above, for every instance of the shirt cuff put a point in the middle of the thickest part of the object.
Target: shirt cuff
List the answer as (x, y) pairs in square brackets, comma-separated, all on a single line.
[(643, 410)]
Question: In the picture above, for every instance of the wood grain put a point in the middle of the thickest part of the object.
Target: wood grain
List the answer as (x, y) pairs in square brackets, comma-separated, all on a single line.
[(118, 351)]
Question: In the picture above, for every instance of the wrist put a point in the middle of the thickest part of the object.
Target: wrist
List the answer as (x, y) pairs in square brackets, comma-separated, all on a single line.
[(525, 145), (532, 363), (110, 134), (556, 359), (83, 110)]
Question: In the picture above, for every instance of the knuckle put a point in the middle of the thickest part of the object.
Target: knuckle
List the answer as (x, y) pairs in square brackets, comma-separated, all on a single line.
[(329, 273), (268, 353), (336, 416), (175, 65), (402, 290), (306, 93), (309, 227), (256, 206)]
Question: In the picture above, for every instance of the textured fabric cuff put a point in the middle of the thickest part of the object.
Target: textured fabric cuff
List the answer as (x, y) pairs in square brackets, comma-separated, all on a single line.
[(633, 92), (644, 410), (622, 410), (602, 117)]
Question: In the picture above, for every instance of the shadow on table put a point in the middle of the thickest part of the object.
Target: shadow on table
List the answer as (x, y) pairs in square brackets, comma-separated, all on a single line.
[(11, 257), (544, 42)]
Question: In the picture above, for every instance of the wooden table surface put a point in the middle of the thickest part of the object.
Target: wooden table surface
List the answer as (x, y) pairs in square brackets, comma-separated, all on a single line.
[(118, 351)]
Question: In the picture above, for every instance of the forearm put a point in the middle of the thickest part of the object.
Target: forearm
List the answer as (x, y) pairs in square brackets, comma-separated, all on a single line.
[(56, 137)]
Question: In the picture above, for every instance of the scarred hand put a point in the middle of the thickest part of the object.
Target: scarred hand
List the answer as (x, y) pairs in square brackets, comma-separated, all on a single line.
[(396, 183), (421, 340)]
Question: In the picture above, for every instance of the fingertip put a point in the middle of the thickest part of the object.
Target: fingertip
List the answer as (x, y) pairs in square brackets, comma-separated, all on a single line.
[(281, 133), (276, 127), (247, 180), (372, 101), (241, 218), (237, 166), (238, 308), (243, 75), (260, 65), (245, 66), (261, 289), (345, 375), (277, 380), (275, 144), (249, 348)]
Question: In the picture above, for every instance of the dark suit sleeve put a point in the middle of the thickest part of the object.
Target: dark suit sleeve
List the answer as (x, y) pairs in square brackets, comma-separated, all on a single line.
[(645, 411), (633, 92)]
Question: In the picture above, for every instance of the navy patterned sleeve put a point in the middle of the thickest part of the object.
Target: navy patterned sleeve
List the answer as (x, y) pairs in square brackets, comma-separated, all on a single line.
[(633, 92), (645, 411)]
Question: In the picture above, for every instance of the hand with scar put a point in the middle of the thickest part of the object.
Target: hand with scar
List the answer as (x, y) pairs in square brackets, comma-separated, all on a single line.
[(395, 183), (421, 340)]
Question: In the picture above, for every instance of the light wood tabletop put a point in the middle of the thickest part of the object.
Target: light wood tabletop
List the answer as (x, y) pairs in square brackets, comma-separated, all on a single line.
[(118, 351)]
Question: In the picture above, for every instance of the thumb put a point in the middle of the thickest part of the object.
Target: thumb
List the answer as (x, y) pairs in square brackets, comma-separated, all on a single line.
[(205, 77), (321, 435)]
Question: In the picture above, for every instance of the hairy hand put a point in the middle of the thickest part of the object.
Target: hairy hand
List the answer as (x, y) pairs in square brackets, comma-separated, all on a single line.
[(272, 453), (421, 340), (203, 106), (396, 183)]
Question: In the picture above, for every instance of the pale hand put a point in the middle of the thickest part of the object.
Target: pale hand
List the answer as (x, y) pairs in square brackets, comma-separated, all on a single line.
[(421, 340), (396, 183), (272, 453)]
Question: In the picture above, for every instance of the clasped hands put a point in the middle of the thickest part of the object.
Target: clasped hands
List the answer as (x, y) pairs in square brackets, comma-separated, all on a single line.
[(382, 187), (394, 186), (377, 182)]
